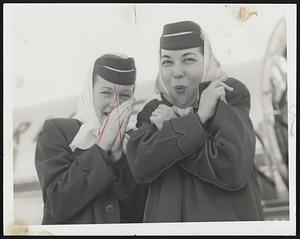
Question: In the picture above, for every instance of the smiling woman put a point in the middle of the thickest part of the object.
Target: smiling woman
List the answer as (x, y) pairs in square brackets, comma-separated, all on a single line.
[(81, 166)]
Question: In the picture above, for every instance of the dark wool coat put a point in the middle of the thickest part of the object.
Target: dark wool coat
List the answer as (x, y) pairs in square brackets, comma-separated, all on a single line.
[(198, 172), (84, 186)]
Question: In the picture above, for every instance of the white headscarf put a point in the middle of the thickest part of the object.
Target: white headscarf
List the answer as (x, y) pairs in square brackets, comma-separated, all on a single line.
[(88, 132), (211, 71)]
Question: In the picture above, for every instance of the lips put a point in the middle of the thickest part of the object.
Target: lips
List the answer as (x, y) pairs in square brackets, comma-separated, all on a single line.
[(180, 89)]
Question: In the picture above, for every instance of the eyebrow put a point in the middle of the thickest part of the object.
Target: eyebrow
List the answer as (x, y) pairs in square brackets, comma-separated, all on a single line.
[(189, 53), (105, 88), (165, 56)]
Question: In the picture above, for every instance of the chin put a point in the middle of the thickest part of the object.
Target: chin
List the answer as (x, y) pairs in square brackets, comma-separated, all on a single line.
[(181, 103)]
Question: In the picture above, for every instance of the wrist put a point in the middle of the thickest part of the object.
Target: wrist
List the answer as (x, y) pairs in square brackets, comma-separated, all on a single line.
[(203, 117), (103, 147), (116, 155)]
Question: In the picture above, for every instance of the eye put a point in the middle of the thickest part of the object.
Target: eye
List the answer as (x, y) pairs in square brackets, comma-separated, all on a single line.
[(189, 60), (106, 93), (166, 63), (125, 96)]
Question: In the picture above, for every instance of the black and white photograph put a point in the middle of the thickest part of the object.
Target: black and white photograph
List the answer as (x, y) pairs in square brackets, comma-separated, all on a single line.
[(149, 119)]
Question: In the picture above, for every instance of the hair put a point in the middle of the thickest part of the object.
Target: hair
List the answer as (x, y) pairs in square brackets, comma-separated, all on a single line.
[(201, 50)]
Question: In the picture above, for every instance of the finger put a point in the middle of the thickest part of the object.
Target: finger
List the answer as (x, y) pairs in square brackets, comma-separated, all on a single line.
[(115, 123), (227, 87), (125, 141), (221, 90), (221, 94), (125, 119), (153, 119), (213, 84), (127, 104), (124, 116), (131, 104), (159, 108), (123, 105), (122, 124), (217, 83), (223, 99), (219, 87), (163, 107), (119, 111), (175, 110)]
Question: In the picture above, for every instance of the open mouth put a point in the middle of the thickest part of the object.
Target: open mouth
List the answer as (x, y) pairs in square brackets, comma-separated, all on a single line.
[(180, 89)]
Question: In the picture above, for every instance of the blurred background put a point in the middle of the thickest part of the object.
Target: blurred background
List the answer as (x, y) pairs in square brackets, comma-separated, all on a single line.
[(52, 49)]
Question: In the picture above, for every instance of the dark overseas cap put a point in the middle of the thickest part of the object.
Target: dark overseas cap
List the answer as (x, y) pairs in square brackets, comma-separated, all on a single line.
[(116, 69), (181, 35)]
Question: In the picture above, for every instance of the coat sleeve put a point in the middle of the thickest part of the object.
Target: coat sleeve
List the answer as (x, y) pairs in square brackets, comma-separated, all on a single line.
[(150, 151), (226, 158), (69, 182), (221, 152), (125, 184)]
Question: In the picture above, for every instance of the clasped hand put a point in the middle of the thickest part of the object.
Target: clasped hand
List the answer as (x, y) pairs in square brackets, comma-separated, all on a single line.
[(161, 114), (113, 129)]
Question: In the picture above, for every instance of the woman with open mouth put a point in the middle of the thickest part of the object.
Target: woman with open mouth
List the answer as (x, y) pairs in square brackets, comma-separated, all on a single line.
[(195, 147), (80, 161)]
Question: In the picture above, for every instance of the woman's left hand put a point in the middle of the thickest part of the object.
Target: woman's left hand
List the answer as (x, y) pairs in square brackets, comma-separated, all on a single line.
[(161, 114)]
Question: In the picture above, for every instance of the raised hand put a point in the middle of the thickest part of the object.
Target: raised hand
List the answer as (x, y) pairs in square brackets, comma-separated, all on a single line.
[(161, 114), (210, 97), (110, 128)]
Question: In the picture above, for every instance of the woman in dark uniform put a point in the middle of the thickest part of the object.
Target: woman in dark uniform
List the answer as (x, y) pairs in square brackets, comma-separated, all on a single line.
[(195, 146), (82, 169)]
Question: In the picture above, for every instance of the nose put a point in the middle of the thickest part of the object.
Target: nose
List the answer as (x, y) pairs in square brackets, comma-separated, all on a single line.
[(178, 71), (112, 103)]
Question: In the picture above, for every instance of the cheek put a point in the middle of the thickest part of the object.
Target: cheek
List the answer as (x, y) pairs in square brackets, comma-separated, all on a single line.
[(99, 103), (167, 78), (196, 72), (166, 73)]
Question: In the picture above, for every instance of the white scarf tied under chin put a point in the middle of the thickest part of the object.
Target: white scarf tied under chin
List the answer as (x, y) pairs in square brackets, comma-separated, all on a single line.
[(211, 71), (88, 132)]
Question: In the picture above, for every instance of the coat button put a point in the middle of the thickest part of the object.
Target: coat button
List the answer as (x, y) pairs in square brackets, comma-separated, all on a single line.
[(109, 208)]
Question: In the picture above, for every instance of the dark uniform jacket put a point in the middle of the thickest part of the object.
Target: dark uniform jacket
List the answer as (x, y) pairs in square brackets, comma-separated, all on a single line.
[(84, 186), (198, 172)]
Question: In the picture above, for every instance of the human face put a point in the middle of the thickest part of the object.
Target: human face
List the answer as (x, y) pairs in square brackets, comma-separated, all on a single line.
[(182, 71), (105, 93)]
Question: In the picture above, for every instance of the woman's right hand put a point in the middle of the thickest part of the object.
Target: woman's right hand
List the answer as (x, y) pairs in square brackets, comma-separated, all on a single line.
[(117, 147), (110, 130), (209, 98)]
